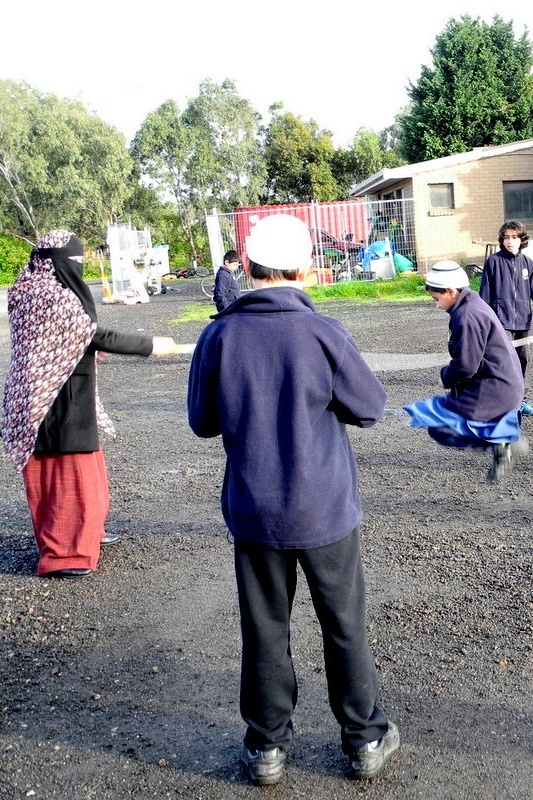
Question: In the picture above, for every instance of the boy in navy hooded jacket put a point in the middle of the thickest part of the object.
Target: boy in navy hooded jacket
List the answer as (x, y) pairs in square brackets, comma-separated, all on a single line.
[(280, 382), (507, 286), (226, 288), (484, 380)]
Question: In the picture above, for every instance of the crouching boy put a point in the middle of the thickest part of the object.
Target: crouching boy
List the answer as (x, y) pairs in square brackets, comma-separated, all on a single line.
[(484, 377)]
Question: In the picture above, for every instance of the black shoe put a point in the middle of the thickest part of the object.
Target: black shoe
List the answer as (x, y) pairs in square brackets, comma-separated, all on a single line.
[(265, 767), (370, 759), (504, 457), (69, 573), (110, 538), (501, 463)]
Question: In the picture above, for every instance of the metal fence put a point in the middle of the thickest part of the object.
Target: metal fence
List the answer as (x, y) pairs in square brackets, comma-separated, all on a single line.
[(352, 240)]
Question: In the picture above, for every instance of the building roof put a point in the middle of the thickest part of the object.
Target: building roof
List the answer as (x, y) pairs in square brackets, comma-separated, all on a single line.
[(387, 177)]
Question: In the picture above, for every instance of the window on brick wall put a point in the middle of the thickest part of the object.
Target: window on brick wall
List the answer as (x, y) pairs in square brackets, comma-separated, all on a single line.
[(441, 196), (518, 201)]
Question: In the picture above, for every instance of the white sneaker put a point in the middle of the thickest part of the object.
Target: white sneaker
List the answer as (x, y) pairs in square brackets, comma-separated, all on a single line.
[(371, 758), (265, 767)]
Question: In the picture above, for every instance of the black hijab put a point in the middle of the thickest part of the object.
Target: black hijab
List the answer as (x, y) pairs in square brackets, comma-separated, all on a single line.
[(69, 272)]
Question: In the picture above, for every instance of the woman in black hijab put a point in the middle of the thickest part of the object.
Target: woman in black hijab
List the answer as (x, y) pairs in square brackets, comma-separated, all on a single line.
[(52, 412)]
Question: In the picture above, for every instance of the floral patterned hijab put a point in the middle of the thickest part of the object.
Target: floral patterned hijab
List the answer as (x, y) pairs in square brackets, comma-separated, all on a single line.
[(52, 319)]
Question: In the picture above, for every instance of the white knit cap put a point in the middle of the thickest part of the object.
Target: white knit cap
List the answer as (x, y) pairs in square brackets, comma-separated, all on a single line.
[(280, 241), (447, 275)]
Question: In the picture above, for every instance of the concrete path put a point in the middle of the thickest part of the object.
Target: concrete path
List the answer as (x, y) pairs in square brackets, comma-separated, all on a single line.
[(387, 362)]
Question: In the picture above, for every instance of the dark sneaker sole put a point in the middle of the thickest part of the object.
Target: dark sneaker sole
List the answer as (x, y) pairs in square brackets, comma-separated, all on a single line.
[(265, 780)]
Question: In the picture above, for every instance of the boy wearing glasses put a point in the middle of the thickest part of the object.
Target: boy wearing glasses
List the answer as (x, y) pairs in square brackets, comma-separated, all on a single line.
[(507, 286)]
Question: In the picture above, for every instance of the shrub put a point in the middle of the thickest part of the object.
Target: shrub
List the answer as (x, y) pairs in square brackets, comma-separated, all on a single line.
[(14, 256), (92, 270)]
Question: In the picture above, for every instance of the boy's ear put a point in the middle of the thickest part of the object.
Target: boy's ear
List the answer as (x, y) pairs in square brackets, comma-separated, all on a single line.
[(246, 265)]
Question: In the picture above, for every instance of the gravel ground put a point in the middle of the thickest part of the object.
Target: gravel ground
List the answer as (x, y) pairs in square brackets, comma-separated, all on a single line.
[(125, 684)]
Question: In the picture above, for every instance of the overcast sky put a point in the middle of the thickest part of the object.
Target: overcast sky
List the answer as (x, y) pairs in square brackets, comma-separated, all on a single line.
[(342, 65)]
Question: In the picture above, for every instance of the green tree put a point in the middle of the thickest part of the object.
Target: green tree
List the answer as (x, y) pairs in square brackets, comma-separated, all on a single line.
[(228, 162), (206, 156), (60, 166), (368, 154), (478, 92), (164, 148), (144, 209), (299, 160)]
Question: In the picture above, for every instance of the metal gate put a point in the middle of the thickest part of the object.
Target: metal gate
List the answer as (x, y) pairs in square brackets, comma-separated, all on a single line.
[(349, 237)]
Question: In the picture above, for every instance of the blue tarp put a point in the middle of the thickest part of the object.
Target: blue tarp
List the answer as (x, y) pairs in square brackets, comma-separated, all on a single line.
[(379, 249)]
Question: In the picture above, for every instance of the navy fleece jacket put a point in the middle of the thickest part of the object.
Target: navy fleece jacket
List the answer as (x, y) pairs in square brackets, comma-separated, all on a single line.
[(226, 288), (484, 375), (280, 382), (507, 286)]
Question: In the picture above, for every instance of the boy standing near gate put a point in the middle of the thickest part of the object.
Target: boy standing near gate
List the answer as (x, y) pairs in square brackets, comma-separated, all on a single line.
[(226, 287), (280, 382)]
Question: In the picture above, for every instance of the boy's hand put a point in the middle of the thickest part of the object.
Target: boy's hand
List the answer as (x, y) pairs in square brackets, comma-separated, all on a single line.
[(163, 346), (166, 346), (184, 349)]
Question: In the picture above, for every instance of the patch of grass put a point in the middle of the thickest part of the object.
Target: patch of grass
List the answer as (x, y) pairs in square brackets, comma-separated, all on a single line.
[(196, 312), (397, 290)]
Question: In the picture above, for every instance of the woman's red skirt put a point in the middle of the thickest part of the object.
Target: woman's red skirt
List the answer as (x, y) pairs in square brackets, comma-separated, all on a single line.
[(68, 496)]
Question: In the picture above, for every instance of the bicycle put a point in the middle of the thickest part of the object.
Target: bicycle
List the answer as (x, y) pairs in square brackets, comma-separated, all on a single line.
[(208, 286), (192, 271), (348, 268)]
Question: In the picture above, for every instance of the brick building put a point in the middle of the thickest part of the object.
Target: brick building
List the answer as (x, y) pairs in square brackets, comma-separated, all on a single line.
[(458, 202)]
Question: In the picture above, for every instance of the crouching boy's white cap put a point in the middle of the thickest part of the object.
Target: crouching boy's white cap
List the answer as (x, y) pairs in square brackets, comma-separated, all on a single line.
[(280, 241), (447, 275)]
